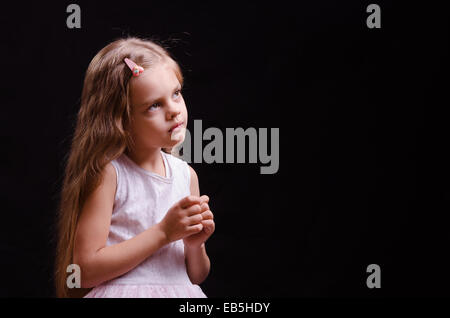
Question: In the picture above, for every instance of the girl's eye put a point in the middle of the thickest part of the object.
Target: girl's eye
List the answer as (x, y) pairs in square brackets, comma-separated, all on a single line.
[(177, 93), (154, 106)]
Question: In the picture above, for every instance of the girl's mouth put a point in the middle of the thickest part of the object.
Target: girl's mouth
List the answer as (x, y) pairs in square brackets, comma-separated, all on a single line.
[(177, 126)]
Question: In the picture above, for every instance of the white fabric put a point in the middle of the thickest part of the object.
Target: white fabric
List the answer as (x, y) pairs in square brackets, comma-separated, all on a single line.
[(142, 200)]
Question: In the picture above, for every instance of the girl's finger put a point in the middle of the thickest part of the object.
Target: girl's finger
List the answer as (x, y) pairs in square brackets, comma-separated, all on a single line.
[(194, 229), (189, 201), (204, 198), (195, 219), (207, 215), (204, 206), (208, 226), (194, 209)]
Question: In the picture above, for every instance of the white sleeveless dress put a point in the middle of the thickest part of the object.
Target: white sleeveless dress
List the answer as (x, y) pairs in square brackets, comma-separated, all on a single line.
[(142, 200)]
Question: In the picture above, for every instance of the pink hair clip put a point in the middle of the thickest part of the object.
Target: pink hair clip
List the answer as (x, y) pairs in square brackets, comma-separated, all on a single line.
[(136, 69)]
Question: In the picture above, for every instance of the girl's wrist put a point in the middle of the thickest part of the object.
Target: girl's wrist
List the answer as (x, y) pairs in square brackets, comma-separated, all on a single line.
[(190, 247), (164, 239)]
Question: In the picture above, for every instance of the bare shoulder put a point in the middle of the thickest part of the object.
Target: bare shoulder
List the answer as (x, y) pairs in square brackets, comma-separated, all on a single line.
[(102, 198), (108, 181), (195, 190), (193, 173), (109, 173), (106, 188)]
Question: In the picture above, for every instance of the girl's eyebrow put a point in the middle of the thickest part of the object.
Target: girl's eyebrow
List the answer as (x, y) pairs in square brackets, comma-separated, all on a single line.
[(153, 100)]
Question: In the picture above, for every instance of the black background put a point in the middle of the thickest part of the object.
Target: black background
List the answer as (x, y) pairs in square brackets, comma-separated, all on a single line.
[(363, 138)]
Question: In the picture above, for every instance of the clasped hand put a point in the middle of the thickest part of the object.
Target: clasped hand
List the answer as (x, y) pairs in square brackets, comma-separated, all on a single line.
[(189, 219)]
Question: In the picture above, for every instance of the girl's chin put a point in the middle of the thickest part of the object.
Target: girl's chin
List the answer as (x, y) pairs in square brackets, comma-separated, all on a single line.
[(177, 136)]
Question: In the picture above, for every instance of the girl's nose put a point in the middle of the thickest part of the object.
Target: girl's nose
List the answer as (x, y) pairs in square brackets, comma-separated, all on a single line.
[(173, 114), (173, 111)]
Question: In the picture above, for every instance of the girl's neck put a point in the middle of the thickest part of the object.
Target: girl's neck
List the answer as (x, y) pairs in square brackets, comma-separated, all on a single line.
[(148, 159)]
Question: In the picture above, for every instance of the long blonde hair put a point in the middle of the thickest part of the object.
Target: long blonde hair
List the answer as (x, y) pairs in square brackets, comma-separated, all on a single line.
[(101, 134)]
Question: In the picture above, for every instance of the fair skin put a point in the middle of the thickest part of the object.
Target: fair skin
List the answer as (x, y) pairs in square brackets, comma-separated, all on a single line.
[(157, 104)]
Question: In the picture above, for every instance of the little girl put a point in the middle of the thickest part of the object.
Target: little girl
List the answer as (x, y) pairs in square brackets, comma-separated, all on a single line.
[(131, 216)]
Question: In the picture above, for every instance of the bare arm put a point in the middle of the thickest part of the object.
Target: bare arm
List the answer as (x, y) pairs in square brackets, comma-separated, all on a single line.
[(98, 262), (197, 261)]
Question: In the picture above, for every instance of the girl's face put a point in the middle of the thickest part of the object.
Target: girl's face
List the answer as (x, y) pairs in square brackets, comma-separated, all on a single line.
[(156, 106)]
